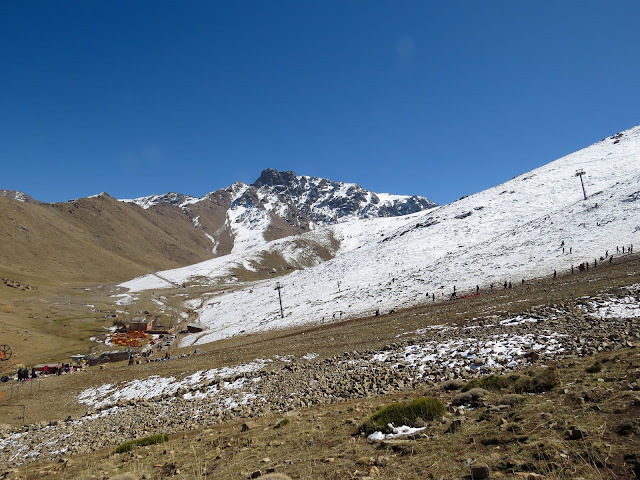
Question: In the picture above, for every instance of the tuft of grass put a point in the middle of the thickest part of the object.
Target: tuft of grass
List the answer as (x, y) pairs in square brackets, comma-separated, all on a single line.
[(141, 442), (491, 382), (594, 368), (281, 423), (411, 414), (540, 381)]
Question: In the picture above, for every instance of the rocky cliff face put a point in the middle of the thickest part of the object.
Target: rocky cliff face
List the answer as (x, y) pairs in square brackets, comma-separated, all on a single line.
[(326, 201)]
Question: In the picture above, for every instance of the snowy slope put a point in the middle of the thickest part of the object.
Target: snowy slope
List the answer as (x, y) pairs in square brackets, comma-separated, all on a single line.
[(172, 198), (506, 233)]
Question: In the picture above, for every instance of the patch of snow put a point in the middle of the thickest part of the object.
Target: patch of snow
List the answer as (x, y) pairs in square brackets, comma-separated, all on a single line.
[(397, 432)]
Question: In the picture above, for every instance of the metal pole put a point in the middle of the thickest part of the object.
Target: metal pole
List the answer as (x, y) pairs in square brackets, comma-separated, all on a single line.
[(278, 287), (580, 173)]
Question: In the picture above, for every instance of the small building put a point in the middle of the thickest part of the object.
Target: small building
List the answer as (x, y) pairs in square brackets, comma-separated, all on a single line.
[(115, 356), (138, 324), (77, 358), (195, 327), (107, 357)]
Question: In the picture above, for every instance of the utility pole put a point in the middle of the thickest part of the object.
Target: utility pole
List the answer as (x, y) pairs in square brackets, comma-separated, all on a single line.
[(580, 173), (278, 287)]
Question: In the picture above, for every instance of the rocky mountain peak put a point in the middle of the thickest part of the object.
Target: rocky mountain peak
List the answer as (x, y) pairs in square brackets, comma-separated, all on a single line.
[(273, 178)]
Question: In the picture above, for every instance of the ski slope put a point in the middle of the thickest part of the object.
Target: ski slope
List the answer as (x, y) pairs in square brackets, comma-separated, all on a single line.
[(507, 233)]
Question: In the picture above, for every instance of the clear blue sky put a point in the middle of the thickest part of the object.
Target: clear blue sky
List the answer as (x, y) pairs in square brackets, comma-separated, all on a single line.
[(434, 98)]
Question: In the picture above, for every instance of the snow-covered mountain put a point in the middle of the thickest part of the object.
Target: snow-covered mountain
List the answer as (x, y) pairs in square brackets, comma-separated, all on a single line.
[(530, 226), (279, 204)]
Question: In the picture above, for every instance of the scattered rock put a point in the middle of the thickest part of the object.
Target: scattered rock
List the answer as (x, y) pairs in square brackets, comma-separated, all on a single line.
[(479, 471), (456, 423), (576, 433), (249, 425)]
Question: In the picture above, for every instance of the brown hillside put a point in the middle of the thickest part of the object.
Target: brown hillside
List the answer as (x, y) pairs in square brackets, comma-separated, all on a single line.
[(95, 239)]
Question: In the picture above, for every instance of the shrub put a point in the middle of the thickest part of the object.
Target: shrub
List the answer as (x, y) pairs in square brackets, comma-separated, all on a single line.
[(594, 368), (511, 399), (491, 382), (411, 414), (538, 382), (542, 381), (281, 423), (627, 427), (141, 442)]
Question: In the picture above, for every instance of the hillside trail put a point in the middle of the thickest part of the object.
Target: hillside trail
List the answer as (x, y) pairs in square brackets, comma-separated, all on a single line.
[(164, 279)]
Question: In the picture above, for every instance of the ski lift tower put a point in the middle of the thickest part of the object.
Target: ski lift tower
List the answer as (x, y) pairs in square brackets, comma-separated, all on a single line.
[(580, 173), (278, 288)]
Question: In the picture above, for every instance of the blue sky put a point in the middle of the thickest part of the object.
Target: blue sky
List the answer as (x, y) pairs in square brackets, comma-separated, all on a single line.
[(441, 99)]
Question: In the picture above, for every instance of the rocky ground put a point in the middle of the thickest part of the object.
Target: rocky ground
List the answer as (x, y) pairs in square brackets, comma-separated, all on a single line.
[(418, 360)]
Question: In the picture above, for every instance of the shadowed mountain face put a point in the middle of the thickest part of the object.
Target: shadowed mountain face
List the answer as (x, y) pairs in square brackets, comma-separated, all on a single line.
[(102, 239)]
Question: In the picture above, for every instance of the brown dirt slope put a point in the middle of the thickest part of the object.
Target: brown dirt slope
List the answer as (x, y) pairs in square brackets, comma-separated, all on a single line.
[(94, 239)]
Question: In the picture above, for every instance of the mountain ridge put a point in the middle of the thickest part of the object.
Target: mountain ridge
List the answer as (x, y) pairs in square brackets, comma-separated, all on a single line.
[(279, 204), (125, 238)]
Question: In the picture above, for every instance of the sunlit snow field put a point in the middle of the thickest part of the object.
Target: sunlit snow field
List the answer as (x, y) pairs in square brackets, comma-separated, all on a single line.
[(510, 232)]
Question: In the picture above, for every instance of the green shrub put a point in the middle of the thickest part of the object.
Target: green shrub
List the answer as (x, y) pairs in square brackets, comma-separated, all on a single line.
[(491, 382), (141, 442), (538, 382), (542, 381), (281, 423), (594, 368), (398, 414)]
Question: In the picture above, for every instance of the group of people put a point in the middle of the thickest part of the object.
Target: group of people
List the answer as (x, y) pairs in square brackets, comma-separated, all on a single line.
[(24, 374), (507, 284)]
